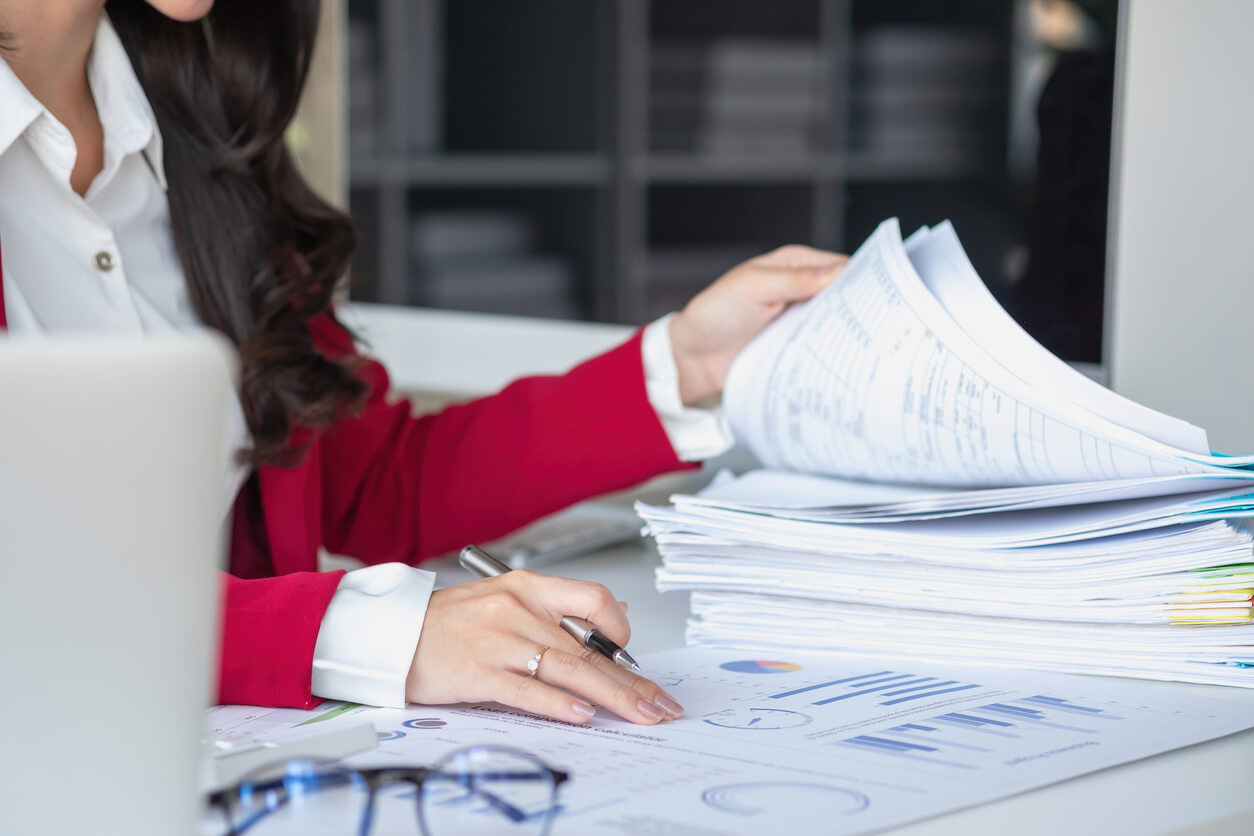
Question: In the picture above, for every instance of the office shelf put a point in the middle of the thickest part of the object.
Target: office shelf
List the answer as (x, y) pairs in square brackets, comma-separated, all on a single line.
[(483, 170), (640, 147), (748, 168)]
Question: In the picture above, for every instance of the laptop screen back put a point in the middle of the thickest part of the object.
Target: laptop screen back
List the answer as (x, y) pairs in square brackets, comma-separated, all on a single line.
[(111, 467)]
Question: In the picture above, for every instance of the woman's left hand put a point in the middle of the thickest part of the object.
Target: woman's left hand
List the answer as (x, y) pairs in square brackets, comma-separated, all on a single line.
[(711, 330)]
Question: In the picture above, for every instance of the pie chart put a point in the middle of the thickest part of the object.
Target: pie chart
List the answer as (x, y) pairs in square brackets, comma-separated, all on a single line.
[(759, 666)]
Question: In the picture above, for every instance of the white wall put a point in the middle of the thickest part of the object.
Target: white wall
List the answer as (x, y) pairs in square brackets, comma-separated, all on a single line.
[(1181, 295), (468, 354)]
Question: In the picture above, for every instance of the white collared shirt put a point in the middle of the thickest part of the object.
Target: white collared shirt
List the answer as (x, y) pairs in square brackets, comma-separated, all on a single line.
[(106, 261)]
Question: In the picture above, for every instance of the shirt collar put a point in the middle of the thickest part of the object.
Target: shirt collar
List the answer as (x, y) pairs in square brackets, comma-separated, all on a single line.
[(125, 114), (19, 107)]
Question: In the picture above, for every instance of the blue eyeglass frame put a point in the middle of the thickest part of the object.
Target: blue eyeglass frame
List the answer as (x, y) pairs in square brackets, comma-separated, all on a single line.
[(376, 779)]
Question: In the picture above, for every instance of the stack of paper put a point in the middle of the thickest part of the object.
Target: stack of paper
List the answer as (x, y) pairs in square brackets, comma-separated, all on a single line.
[(1022, 514)]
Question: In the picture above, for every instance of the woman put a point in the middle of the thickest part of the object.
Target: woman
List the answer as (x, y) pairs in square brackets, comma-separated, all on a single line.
[(144, 186)]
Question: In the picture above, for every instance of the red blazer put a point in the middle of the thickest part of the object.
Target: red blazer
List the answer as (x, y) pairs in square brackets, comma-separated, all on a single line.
[(385, 486)]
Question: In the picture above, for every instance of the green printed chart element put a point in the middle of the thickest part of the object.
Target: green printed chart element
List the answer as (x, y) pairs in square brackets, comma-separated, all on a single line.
[(331, 713), (759, 666)]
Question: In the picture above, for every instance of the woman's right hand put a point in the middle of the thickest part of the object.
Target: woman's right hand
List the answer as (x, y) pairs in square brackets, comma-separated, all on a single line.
[(478, 636)]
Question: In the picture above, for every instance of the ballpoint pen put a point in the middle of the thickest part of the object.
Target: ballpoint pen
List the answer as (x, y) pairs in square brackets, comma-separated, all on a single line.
[(585, 632)]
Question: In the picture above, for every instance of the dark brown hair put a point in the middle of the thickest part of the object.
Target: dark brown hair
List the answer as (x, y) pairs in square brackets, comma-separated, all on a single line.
[(261, 251)]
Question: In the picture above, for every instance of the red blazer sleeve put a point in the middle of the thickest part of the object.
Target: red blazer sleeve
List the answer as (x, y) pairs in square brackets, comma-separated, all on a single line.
[(399, 488), (269, 629)]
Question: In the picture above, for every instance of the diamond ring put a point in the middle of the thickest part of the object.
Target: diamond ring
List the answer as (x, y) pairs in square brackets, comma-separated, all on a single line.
[(533, 664)]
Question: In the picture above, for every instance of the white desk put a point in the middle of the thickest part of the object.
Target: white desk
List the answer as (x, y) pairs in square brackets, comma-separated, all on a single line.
[(1205, 789)]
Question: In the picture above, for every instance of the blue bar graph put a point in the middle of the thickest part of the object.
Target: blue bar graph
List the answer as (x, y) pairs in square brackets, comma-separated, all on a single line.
[(970, 720), (853, 694), (808, 688), (1034, 717), (896, 688), (901, 749), (932, 734), (929, 694), (975, 737), (980, 725), (931, 683), (1057, 704), (895, 678), (1006, 708)]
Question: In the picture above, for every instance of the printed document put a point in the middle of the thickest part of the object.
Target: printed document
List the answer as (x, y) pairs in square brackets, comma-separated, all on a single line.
[(815, 745)]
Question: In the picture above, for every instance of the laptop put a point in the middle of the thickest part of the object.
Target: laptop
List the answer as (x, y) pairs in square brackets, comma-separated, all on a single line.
[(111, 532)]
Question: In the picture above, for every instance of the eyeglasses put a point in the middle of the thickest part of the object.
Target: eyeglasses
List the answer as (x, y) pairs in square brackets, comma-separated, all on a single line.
[(476, 790)]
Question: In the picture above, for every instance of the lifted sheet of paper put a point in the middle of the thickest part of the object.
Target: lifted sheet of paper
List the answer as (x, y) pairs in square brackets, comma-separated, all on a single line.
[(877, 379)]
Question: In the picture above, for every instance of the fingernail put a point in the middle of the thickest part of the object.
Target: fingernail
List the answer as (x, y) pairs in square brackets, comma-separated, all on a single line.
[(583, 709), (667, 703), (623, 605), (650, 710)]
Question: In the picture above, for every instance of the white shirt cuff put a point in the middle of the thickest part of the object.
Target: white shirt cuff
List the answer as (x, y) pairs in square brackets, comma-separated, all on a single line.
[(369, 634), (695, 434)]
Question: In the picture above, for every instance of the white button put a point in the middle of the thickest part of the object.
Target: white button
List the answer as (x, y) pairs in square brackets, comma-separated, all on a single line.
[(104, 261)]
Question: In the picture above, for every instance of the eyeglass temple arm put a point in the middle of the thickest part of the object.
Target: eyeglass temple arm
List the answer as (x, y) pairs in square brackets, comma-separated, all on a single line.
[(222, 800)]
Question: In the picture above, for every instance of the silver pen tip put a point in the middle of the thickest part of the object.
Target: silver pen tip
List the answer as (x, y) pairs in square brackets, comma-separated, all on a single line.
[(624, 659)]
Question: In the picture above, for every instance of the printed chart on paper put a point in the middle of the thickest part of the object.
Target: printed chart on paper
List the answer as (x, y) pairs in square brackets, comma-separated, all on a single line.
[(819, 744)]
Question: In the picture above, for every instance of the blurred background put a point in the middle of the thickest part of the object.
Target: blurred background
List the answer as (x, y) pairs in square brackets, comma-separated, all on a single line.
[(602, 160)]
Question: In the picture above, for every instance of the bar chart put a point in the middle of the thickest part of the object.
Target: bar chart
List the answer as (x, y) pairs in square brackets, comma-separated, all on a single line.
[(896, 688), (996, 733)]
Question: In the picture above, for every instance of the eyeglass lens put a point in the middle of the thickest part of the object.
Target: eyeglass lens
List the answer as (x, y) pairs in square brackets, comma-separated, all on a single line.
[(489, 790)]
